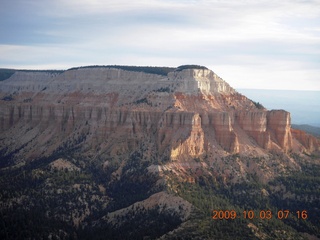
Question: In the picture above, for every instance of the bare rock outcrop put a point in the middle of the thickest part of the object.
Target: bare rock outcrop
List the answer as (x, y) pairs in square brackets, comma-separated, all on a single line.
[(307, 141), (112, 112)]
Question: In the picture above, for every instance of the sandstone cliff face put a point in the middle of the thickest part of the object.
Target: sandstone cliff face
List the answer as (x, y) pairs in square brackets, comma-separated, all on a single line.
[(205, 81), (307, 141), (117, 147), (110, 113)]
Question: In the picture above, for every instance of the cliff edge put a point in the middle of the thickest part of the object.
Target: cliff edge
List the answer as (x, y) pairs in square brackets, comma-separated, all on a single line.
[(109, 112)]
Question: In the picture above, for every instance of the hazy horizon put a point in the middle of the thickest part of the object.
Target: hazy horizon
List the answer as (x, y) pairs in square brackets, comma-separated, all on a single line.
[(304, 106)]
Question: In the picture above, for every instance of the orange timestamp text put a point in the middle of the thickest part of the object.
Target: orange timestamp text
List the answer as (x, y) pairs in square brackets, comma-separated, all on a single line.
[(262, 214)]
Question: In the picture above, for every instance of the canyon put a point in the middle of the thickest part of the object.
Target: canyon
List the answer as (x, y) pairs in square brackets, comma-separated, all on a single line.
[(109, 103), (110, 113), (140, 125)]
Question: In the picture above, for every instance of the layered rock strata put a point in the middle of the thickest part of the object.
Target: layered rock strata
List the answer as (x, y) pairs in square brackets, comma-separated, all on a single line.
[(111, 112)]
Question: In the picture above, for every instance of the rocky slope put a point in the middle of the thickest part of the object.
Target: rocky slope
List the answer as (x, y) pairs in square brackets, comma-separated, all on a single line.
[(144, 132), (110, 112)]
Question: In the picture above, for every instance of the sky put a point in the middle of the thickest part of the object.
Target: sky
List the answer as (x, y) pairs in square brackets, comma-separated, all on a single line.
[(257, 44)]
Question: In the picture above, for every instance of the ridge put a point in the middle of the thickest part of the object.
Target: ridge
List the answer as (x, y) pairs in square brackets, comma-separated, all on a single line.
[(148, 153)]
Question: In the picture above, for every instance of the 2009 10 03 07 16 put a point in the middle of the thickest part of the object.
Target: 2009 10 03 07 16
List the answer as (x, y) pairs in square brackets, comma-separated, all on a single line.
[(262, 214)]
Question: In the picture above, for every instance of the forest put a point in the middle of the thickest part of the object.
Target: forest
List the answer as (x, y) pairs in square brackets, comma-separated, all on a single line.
[(38, 200)]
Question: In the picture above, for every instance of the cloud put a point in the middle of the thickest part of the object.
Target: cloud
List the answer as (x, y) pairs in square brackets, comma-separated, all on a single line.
[(281, 37)]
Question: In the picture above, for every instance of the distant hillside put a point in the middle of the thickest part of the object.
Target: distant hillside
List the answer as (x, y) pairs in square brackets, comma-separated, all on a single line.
[(147, 69), (6, 73), (153, 70), (315, 131), (182, 67)]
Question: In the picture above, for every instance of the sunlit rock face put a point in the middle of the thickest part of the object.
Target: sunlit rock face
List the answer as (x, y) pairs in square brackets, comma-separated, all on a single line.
[(110, 112), (200, 80)]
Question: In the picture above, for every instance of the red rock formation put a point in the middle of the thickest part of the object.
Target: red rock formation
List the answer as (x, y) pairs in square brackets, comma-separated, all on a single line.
[(112, 112), (308, 142), (279, 123)]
